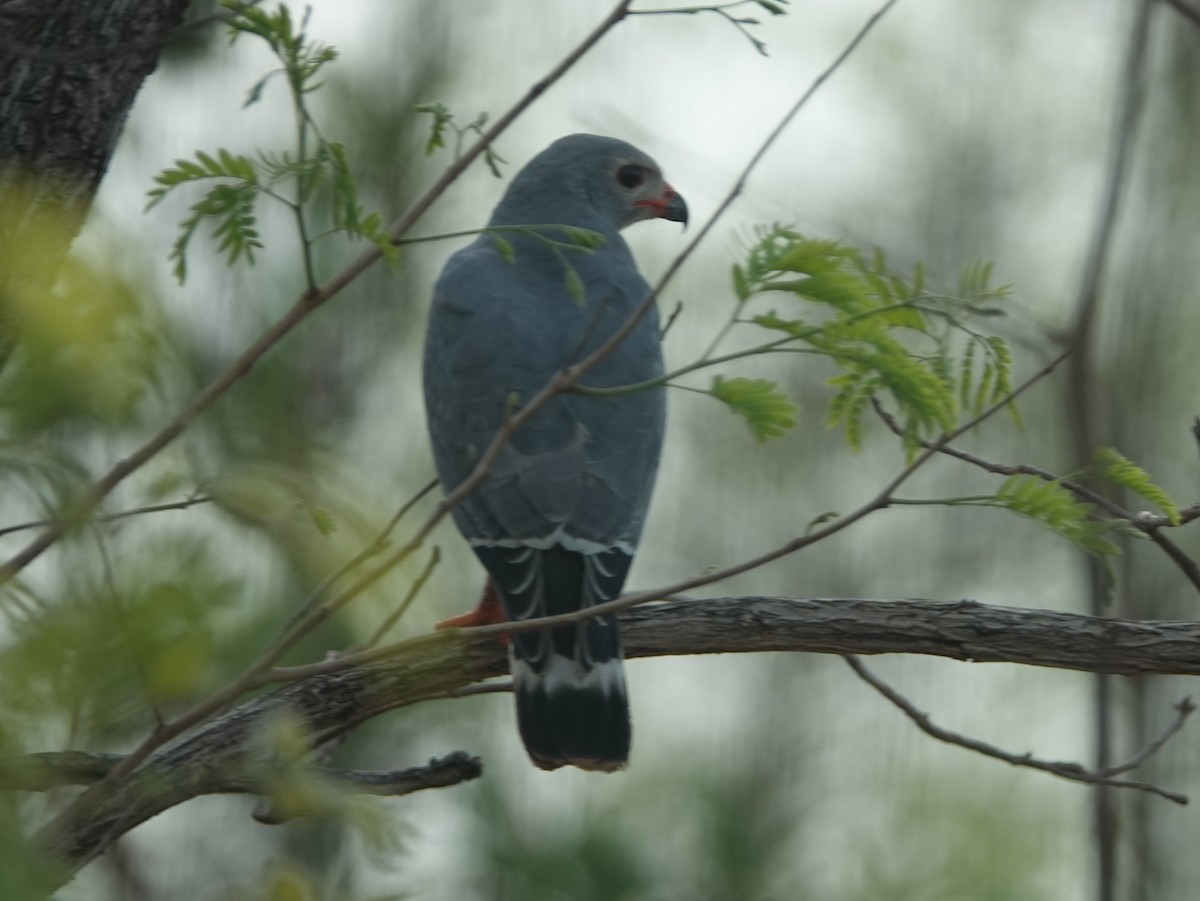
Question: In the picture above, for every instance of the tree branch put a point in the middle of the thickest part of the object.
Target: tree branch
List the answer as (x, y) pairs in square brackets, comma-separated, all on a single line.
[(432, 665), (1062, 769)]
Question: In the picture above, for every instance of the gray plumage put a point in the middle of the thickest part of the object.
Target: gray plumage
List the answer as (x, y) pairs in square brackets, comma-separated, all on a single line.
[(558, 518)]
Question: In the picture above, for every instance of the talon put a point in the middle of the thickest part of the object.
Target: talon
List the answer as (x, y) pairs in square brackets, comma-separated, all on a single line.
[(487, 612)]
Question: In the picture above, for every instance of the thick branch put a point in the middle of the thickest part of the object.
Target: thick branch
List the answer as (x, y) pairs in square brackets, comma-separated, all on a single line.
[(434, 665)]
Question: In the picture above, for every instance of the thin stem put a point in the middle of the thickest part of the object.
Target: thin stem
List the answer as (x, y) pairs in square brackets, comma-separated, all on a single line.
[(1064, 770), (435, 557), (534, 231), (112, 517), (618, 390), (689, 10), (969, 500), (705, 360), (375, 547)]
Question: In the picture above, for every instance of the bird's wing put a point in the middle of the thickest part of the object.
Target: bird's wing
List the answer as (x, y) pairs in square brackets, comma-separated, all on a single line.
[(580, 472)]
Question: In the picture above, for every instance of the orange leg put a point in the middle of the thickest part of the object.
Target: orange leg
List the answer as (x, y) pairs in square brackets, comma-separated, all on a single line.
[(488, 611)]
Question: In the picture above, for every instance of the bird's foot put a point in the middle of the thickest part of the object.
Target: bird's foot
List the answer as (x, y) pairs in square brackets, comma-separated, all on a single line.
[(488, 612)]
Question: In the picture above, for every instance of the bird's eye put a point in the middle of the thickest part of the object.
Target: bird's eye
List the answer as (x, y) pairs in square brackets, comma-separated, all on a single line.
[(630, 176)]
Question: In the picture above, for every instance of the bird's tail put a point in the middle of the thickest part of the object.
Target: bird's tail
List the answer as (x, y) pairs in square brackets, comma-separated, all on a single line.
[(572, 708), (570, 713)]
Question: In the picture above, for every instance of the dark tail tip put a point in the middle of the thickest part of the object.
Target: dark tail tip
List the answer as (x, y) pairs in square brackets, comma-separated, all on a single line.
[(568, 717)]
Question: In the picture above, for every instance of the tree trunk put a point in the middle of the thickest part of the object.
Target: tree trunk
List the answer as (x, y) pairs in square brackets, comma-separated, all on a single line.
[(69, 72)]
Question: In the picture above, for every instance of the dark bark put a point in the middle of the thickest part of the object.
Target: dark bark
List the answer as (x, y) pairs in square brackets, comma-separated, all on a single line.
[(69, 73)]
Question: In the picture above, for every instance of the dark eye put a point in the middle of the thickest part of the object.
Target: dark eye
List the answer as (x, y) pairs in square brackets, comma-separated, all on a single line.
[(630, 176)]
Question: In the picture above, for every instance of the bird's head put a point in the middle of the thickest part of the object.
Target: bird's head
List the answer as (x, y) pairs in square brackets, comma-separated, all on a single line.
[(605, 176)]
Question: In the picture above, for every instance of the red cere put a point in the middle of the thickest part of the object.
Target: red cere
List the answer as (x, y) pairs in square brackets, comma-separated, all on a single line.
[(660, 204)]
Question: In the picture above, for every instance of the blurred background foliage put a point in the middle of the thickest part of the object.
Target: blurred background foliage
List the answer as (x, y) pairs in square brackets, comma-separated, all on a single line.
[(958, 131)]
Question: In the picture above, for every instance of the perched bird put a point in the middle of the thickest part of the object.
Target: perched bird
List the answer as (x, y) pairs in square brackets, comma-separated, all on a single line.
[(558, 518)]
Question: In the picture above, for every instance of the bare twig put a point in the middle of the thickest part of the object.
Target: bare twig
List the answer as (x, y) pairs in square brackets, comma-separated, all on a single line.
[(113, 517), (371, 550), (1072, 771), (440, 772), (384, 627), (1183, 710), (671, 320), (720, 9)]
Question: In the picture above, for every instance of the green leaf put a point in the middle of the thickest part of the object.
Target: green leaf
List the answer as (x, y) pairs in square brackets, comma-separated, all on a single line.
[(847, 406), (881, 329), (903, 316), (966, 374), (984, 391), (347, 212), (322, 519), (1110, 465), (740, 286), (437, 129), (211, 165), (918, 282), (583, 237), (505, 249), (769, 413), (819, 521), (493, 160), (812, 256), (794, 327), (1052, 506), (371, 228), (574, 285), (836, 289)]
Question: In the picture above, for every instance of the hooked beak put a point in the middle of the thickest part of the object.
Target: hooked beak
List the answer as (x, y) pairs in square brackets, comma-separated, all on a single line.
[(671, 206)]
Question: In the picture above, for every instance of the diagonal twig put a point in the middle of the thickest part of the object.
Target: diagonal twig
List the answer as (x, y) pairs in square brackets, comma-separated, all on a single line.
[(114, 517), (1065, 770)]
